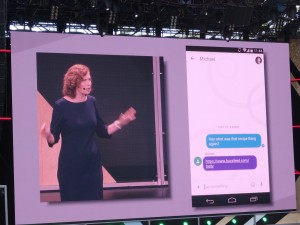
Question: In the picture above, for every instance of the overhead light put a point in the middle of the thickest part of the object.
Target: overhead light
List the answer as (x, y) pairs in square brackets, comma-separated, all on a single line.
[(112, 17), (234, 221), (173, 22), (94, 3), (208, 222), (108, 4), (265, 219), (54, 12), (279, 25)]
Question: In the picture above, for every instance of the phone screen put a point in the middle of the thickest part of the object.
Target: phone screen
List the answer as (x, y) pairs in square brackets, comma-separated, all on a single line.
[(228, 133)]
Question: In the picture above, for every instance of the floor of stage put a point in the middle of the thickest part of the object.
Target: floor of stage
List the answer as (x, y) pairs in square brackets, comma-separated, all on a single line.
[(121, 193)]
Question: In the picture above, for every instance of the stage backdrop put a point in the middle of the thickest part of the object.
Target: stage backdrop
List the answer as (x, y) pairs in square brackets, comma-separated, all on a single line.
[(29, 48)]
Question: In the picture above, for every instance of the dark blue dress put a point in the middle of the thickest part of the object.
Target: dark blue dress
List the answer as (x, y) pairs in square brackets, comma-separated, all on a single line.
[(79, 164)]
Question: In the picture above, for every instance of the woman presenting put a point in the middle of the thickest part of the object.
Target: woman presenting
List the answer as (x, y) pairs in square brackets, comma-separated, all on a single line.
[(75, 117)]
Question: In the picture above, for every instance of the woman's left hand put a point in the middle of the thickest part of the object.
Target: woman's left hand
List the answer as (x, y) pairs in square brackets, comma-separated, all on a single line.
[(127, 117)]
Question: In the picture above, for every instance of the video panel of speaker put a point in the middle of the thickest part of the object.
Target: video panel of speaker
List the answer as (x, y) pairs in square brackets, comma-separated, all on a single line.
[(228, 132)]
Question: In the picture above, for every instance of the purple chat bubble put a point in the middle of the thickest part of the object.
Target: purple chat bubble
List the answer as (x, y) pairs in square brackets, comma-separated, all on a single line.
[(245, 162)]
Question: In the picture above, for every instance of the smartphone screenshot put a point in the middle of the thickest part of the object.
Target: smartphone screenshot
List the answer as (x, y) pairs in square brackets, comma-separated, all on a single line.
[(228, 132)]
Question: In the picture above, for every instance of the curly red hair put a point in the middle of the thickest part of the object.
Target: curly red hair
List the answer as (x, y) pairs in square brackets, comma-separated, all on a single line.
[(72, 79)]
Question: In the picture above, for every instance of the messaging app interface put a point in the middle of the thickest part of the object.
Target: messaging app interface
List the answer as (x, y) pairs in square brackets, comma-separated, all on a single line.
[(227, 126)]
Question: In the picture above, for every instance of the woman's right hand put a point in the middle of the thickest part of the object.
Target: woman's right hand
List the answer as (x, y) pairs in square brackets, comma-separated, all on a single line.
[(45, 130), (46, 133)]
